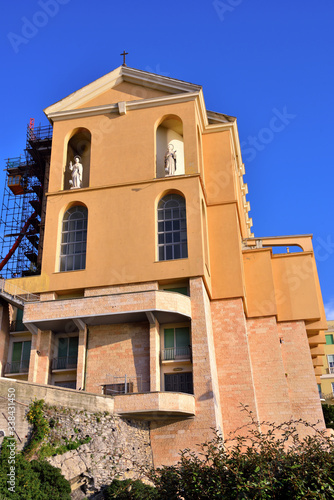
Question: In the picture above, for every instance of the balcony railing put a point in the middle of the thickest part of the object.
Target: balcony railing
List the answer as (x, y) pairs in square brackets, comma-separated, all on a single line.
[(126, 384), (114, 389), (176, 353), (17, 367), (66, 363), (327, 397), (17, 326)]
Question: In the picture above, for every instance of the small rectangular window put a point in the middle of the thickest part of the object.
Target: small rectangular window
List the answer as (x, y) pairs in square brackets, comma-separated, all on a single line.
[(67, 353), (176, 344), (329, 339), (20, 357)]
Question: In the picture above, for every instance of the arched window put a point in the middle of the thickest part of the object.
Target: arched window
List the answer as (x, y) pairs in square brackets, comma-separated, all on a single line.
[(73, 239), (172, 228)]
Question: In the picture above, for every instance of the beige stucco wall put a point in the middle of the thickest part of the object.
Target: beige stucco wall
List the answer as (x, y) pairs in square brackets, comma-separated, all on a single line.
[(122, 200)]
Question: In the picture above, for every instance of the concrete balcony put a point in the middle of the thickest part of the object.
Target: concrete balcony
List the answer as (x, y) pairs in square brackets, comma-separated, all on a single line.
[(155, 405), (57, 315)]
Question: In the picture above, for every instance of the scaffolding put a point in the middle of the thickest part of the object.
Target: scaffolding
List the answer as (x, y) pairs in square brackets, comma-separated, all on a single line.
[(23, 209)]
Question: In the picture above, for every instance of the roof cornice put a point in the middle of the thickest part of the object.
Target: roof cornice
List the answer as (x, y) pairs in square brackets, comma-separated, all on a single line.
[(114, 78), (130, 105)]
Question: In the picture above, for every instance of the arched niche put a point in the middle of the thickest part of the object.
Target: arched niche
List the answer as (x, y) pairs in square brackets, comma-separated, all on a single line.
[(78, 145), (169, 133)]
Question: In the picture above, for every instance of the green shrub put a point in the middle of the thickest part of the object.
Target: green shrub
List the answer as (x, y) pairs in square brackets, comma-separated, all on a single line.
[(130, 490), (27, 483), (33, 480), (50, 449), (328, 411), (40, 430), (275, 465), (54, 485)]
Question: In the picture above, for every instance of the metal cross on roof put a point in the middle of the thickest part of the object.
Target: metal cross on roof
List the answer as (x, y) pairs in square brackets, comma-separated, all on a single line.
[(124, 54)]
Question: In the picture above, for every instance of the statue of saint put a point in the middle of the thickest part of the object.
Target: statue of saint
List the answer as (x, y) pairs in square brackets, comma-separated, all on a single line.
[(170, 161), (76, 172)]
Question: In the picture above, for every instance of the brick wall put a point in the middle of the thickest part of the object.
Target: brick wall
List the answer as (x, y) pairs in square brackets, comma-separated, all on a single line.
[(116, 350), (270, 382), (233, 363), (303, 392), (168, 437)]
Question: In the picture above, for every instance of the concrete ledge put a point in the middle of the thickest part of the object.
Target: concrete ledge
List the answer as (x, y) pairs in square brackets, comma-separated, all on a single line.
[(155, 405), (55, 315), (25, 392)]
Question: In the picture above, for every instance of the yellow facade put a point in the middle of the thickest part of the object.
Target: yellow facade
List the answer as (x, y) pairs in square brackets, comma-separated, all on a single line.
[(327, 377), (122, 178), (234, 286)]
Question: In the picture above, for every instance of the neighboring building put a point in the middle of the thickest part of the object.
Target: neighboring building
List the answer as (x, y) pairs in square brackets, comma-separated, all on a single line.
[(326, 386), (151, 286)]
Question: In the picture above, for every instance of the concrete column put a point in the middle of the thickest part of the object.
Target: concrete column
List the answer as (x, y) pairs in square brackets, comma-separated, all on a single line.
[(33, 363), (205, 376), (154, 356), (41, 357), (4, 335), (170, 436), (81, 358)]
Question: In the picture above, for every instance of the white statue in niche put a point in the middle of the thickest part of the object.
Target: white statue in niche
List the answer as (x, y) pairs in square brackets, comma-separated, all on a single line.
[(170, 160), (76, 172)]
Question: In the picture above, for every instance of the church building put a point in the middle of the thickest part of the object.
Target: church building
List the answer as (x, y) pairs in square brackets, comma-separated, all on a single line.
[(152, 287)]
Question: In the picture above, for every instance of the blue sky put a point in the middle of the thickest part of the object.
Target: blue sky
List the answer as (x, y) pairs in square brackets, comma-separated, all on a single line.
[(256, 60)]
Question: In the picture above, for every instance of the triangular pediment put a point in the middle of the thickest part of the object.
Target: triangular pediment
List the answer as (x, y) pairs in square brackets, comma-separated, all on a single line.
[(124, 91), (122, 84)]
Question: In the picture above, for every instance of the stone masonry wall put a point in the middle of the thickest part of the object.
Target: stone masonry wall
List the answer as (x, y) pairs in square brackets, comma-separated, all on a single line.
[(118, 447)]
